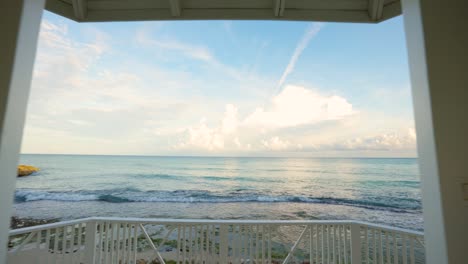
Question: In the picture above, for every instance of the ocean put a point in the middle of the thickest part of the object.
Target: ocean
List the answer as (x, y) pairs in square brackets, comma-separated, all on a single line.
[(377, 190)]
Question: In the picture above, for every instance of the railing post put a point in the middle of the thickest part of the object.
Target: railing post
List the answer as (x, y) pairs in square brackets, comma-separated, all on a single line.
[(356, 244), (90, 242), (223, 243)]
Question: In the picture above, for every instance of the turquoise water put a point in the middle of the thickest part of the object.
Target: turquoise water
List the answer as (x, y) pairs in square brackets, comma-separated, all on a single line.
[(72, 186)]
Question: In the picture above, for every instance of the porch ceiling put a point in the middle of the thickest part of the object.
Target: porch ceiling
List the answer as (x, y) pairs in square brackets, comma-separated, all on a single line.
[(363, 11)]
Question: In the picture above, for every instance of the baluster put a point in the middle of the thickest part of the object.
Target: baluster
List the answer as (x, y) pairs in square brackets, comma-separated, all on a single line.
[(129, 244), (112, 237), (411, 249), (367, 245), (395, 249), (404, 249), (78, 242), (323, 242), (47, 246), (106, 243), (56, 237), (213, 241), (339, 243), (190, 242), (135, 242), (333, 244), (202, 242), (251, 239), (328, 243), (38, 244), (235, 242), (195, 243), (243, 243), (311, 240), (269, 243), (184, 245), (124, 243), (380, 247), (178, 244), (316, 243), (388, 246), (374, 240), (345, 229), (117, 248), (263, 244), (72, 244), (64, 243), (99, 242)]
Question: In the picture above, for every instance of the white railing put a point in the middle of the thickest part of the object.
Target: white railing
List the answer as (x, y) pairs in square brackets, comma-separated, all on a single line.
[(130, 240)]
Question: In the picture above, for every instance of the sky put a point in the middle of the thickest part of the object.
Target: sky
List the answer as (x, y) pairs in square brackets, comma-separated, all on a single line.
[(221, 88)]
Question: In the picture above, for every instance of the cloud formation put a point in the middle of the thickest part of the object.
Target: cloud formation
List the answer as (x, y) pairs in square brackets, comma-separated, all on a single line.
[(311, 31), (296, 105), (90, 96)]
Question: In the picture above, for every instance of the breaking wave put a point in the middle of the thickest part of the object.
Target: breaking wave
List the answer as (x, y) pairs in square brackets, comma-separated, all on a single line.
[(131, 195)]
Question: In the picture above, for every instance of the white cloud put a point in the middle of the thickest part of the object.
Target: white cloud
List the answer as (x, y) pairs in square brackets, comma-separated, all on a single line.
[(193, 51), (311, 31), (205, 138), (230, 121), (275, 143), (294, 106), (385, 142), (297, 105)]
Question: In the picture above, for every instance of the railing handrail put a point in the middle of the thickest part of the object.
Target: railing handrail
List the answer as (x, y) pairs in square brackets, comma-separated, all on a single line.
[(29, 229), (389, 228), (209, 221)]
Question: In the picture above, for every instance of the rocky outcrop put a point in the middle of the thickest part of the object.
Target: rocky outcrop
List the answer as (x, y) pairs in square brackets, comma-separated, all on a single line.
[(25, 170)]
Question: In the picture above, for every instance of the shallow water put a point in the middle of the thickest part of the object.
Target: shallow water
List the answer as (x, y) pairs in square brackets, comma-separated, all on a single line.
[(72, 186)]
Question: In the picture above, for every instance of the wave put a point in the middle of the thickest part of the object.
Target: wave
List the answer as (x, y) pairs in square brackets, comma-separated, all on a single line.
[(207, 178), (131, 195)]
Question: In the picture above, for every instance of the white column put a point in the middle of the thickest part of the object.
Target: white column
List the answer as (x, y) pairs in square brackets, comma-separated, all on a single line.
[(437, 39), (19, 27)]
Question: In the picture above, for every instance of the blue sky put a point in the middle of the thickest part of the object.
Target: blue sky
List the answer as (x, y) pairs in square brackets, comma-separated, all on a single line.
[(223, 88)]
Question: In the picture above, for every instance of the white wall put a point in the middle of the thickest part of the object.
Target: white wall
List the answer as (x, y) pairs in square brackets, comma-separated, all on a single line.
[(437, 37)]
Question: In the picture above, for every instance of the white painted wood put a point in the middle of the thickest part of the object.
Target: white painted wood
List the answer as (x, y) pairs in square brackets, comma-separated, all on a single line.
[(19, 24), (223, 244), (90, 242), (375, 9), (356, 244), (282, 7), (155, 249), (291, 252), (80, 9), (276, 7), (237, 236), (437, 39), (175, 8), (302, 10)]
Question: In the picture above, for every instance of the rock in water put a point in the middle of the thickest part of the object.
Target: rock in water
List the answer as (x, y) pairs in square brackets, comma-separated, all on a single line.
[(25, 170)]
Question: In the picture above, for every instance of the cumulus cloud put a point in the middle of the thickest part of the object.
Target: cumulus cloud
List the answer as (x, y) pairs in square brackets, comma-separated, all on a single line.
[(294, 106), (297, 105), (385, 142), (230, 120), (202, 137), (275, 143)]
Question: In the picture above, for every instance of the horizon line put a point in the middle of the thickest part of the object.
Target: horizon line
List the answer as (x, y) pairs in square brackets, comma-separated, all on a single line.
[(207, 156)]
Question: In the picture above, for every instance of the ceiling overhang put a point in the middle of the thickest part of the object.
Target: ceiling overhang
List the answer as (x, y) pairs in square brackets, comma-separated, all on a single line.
[(360, 11)]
